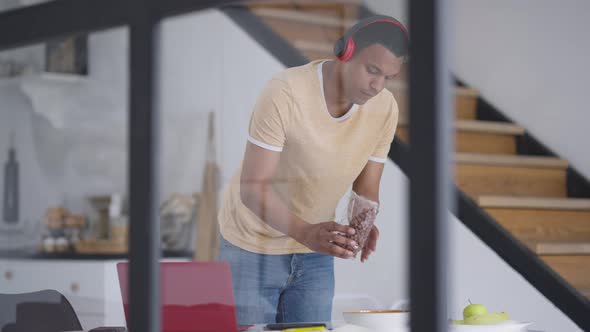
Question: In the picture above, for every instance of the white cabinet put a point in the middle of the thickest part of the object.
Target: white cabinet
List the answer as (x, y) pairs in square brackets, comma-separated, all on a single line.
[(92, 287)]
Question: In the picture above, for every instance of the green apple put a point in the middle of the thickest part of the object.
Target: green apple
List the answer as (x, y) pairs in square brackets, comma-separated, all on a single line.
[(474, 310), (458, 322)]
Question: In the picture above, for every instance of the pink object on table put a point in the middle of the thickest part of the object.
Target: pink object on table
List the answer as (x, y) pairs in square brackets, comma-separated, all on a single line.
[(195, 296)]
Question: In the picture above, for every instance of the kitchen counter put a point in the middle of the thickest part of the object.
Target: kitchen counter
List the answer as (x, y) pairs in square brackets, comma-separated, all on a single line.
[(24, 254)]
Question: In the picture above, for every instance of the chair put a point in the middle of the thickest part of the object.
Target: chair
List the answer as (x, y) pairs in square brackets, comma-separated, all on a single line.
[(42, 311)]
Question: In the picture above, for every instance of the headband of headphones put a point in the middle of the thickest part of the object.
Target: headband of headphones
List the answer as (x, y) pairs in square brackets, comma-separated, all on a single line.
[(344, 47)]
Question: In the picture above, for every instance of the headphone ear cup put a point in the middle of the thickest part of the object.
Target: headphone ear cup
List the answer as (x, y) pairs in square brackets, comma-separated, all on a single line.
[(339, 47), (348, 50)]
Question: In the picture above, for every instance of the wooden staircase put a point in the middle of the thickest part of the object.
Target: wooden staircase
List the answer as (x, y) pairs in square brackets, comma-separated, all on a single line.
[(527, 195)]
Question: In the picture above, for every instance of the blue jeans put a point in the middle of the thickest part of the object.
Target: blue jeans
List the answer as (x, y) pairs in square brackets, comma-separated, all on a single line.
[(280, 288)]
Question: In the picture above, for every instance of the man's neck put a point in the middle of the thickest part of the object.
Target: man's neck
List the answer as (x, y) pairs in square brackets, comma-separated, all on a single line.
[(336, 102)]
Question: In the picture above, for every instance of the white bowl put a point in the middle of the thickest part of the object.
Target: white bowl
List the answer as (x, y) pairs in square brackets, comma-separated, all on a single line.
[(378, 320), (508, 326)]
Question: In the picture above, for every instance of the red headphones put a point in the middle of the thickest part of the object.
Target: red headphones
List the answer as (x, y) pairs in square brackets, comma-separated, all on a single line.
[(344, 47)]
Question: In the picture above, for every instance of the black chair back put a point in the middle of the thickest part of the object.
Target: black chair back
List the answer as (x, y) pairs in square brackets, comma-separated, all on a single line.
[(42, 311)]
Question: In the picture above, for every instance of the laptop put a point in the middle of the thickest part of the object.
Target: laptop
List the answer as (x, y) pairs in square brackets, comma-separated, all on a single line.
[(195, 296)]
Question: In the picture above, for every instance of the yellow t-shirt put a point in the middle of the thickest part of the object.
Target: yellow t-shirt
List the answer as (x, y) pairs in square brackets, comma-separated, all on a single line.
[(321, 156)]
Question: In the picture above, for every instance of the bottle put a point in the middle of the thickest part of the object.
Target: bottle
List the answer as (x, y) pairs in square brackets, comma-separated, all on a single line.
[(10, 206)]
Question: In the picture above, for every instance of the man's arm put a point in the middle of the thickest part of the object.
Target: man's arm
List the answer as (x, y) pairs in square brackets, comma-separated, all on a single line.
[(367, 185), (257, 194)]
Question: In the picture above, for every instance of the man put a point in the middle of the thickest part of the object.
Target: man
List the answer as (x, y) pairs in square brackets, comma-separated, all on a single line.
[(315, 130)]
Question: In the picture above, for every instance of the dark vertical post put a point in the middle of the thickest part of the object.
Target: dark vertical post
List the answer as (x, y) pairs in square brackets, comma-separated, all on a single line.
[(430, 190), (144, 251)]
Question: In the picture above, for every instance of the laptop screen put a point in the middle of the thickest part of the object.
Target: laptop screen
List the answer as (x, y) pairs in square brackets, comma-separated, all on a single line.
[(195, 296)]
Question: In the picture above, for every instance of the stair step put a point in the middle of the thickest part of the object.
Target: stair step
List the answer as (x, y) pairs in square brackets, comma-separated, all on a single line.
[(465, 100), (334, 8), (294, 25), (314, 50), (561, 248), (310, 45), (486, 137), (459, 90), (479, 126), (303, 4), (478, 136), (489, 127), (537, 219), (299, 25), (534, 203), (488, 174), (510, 161), (304, 18), (573, 268)]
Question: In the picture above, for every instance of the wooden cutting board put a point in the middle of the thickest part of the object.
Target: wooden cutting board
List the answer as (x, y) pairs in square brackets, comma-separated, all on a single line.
[(207, 239)]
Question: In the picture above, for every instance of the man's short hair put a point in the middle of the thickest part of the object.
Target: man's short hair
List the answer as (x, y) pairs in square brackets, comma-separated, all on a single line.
[(386, 34)]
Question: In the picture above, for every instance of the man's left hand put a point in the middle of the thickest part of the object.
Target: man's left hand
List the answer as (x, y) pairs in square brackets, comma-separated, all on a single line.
[(370, 244)]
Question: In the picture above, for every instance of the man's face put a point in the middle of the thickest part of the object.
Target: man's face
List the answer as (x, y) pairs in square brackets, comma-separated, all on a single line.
[(369, 71)]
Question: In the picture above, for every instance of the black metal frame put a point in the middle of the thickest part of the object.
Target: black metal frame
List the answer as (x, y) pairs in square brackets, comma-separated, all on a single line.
[(430, 163), (144, 231)]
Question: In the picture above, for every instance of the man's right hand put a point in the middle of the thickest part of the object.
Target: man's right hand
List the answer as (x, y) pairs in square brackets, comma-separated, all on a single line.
[(324, 238)]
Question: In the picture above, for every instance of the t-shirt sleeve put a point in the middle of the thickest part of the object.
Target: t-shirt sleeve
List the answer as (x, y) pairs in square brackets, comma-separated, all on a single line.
[(268, 124), (382, 149)]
